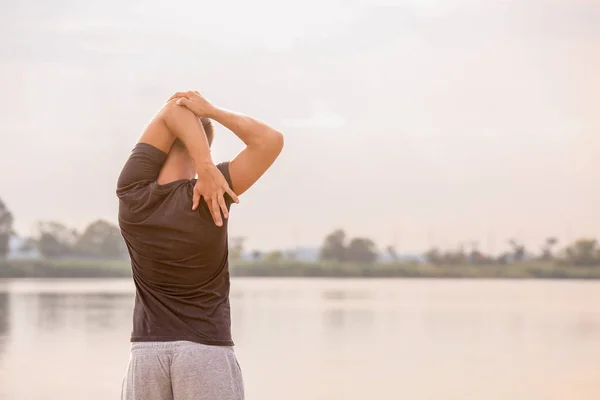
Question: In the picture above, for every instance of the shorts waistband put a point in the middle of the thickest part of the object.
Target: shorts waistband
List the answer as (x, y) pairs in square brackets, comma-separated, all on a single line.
[(171, 346), (161, 345)]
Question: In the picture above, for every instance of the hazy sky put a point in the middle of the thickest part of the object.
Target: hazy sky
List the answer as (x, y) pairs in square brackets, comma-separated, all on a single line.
[(417, 122)]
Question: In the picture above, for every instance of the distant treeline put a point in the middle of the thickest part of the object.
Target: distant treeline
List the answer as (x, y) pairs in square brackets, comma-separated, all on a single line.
[(102, 240), (583, 252), (337, 247), (70, 268)]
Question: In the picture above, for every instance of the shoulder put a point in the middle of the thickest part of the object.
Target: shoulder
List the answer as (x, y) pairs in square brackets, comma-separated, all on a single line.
[(141, 167), (147, 150)]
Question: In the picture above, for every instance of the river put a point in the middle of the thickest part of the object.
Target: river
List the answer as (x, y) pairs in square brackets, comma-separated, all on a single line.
[(329, 339)]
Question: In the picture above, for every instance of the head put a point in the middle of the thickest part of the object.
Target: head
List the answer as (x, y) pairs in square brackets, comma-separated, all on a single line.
[(179, 163)]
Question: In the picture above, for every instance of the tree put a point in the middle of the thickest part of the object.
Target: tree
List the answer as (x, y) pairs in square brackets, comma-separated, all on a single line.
[(361, 250), (457, 257), (333, 247), (518, 250), (28, 245), (391, 250), (256, 255), (273, 256), (476, 256), (55, 239), (433, 256), (101, 239), (547, 248), (50, 246), (6, 221), (584, 252)]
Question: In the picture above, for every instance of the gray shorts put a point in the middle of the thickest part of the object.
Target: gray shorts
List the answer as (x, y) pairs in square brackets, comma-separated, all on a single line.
[(182, 370)]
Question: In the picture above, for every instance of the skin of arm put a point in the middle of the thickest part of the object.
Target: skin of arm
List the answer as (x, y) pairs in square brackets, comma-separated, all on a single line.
[(263, 146), (263, 143), (173, 122)]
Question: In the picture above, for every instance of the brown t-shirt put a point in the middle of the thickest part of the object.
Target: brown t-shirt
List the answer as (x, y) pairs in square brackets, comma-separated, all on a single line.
[(178, 256)]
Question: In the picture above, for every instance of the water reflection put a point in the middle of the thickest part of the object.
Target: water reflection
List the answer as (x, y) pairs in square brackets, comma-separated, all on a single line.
[(342, 339), (55, 312), (4, 310), (4, 321), (587, 328), (47, 309), (346, 294), (351, 321)]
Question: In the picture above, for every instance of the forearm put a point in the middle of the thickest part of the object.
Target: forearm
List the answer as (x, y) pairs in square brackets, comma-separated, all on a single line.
[(197, 146), (252, 132), (263, 143), (185, 126)]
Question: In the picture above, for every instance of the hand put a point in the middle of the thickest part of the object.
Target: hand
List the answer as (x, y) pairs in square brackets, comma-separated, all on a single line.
[(194, 102), (211, 185)]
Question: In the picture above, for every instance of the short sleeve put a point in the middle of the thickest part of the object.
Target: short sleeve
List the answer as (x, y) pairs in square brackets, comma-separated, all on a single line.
[(142, 167), (224, 168)]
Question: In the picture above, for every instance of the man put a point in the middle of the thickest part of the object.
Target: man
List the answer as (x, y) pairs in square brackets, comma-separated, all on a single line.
[(175, 228)]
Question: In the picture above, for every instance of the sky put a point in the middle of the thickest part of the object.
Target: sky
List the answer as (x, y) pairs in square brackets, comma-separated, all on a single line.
[(414, 123)]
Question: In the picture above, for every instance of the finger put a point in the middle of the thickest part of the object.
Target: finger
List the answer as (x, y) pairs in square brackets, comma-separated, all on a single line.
[(195, 200), (232, 194), (182, 101), (197, 92), (223, 206), (177, 95), (216, 211)]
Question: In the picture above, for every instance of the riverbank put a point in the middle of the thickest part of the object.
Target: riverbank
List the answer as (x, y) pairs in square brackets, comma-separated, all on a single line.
[(122, 269)]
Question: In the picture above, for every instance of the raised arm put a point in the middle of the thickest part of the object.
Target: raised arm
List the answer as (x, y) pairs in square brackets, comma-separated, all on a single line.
[(173, 122), (176, 122), (263, 143), (263, 146)]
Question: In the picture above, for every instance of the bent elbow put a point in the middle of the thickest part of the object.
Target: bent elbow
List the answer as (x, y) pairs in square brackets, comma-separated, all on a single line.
[(278, 141), (272, 142), (171, 112)]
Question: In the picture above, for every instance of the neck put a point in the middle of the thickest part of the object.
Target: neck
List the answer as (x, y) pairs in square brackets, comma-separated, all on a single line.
[(179, 165)]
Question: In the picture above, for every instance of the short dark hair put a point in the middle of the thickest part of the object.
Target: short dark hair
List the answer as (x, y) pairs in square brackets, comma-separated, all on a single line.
[(208, 129)]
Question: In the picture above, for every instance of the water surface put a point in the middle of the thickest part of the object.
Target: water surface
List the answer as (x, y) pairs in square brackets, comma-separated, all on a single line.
[(325, 339)]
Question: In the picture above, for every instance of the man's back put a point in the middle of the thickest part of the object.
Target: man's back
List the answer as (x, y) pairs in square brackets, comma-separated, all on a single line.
[(179, 250), (178, 256)]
